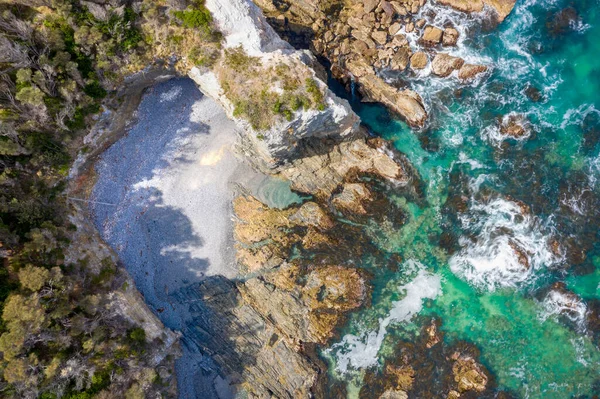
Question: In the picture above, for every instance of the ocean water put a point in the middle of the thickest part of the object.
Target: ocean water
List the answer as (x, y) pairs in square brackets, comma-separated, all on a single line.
[(502, 219)]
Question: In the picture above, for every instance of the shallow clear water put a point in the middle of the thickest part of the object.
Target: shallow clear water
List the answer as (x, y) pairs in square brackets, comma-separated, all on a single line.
[(486, 194)]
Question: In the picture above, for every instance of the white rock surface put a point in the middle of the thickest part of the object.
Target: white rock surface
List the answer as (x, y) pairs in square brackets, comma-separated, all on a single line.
[(243, 24)]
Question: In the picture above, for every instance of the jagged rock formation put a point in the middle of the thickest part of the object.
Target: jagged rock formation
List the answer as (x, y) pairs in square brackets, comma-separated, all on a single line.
[(350, 36), (363, 39), (321, 172), (243, 24), (262, 329)]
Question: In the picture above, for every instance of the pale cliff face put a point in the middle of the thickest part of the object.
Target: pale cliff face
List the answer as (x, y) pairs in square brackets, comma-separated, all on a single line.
[(243, 24)]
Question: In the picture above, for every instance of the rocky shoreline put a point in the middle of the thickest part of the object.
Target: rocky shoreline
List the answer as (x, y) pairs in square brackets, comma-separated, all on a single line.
[(263, 328), (367, 41)]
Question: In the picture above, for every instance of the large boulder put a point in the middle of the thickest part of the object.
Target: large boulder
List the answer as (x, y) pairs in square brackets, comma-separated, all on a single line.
[(450, 37), (444, 64), (501, 7), (432, 36), (419, 60), (401, 59), (470, 71)]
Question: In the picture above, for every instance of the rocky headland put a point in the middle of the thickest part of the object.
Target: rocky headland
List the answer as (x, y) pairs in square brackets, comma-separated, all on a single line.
[(374, 43), (299, 267)]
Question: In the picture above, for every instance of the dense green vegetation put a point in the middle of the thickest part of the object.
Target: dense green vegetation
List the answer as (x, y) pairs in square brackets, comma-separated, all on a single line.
[(58, 336), (60, 65), (195, 17)]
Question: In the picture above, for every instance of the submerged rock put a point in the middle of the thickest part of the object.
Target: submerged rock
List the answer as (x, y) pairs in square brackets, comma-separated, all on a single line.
[(534, 94), (468, 374), (563, 21)]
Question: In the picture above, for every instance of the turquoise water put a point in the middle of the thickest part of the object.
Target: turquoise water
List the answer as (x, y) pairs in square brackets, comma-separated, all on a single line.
[(485, 195)]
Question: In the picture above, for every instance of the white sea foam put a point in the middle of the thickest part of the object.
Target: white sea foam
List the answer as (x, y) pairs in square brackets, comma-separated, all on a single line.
[(594, 170), (495, 136), (567, 304), (359, 352), (475, 183), (171, 95), (463, 158), (576, 116), (576, 202), (504, 237)]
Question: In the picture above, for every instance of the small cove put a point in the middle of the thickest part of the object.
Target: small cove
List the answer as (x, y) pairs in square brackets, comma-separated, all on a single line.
[(171, 180)]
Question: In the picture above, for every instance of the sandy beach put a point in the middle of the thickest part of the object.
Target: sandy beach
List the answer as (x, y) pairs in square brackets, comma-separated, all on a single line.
[(163, 202)]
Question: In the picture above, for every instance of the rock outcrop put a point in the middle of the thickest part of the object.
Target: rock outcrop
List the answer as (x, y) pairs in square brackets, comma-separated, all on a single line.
[(470, 71), (501, 7), (365, 40), (243, 25), (444, 64), (515, 126), (287, 304), (468, 375), (321, 173)]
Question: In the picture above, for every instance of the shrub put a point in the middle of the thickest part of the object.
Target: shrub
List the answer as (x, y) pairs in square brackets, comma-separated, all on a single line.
[(137, 335), (317, 95), (239, 61), (94, 90), (195, 18), (31, 95)]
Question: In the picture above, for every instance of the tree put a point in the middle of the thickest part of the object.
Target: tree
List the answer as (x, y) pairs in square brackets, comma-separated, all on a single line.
[(25, 310), (31, 95), (16, 371), (12, 342), (33, 278)]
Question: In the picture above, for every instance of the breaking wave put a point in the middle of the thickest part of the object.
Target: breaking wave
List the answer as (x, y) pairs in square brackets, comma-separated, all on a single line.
[(505, 246), (360, 352)]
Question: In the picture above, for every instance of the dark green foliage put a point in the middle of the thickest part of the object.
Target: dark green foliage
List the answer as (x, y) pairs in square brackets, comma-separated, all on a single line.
[(106, 273), (123, 27), (60, 301), (77, 121), (94, 90), (137, 335), (198, 18)]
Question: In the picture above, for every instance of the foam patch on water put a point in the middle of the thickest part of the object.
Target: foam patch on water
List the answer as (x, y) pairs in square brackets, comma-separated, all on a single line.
[(496, 136), (565, 304), (360, 352), (171, 95), (505, 246)]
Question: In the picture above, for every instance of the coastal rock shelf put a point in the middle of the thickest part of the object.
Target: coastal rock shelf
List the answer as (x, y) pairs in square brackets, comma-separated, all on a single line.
[(409, 260)]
